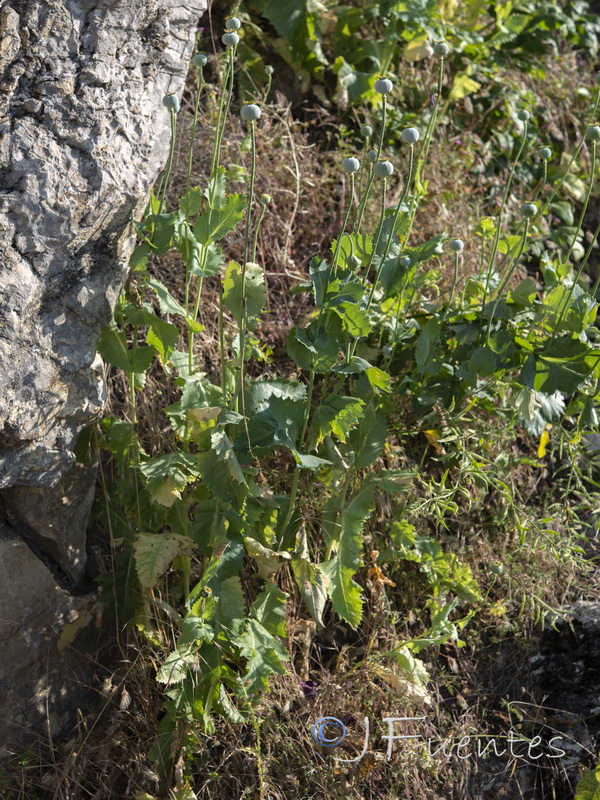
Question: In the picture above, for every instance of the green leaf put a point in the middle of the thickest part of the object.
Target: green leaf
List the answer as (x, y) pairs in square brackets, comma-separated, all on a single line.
[(139, 258), (310, 462), (354, 319), (163, 336), (312, 585), (336, 417), (318, 272), (175, 667), (198, 393), (380, 381), (154, 553), (215, 191), (172, 472), (462, 86), (269, 609), (189, 204), (221, 471), (268, 561), (482, 362), (562, 367), (164, 229), (230, 610), (588, 787), (169, 305), (114, 351), (275, 410), (369, 438), (344, 592), (426, 250), (233, 291), (194, 630), (318, 347), (425, 344), (264, 653), (359, 245), (524, 294), (214, 224)]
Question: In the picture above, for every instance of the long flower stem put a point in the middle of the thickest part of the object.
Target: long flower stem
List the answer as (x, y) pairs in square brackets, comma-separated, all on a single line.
[(446, 310), (431, 125), (261, 214), (170, 159), (193, 131), (504, 282), (567, 302), (296, 479), (390, 238), (352, 350), (244, 319), (363, 202), (492, 256)]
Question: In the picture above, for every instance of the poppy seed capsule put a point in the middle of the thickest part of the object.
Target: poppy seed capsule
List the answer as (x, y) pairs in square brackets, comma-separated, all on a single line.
[(383, 85), (456, 245), (351, 164), (528, 210), (383, 169), (524, 115), (545, 153), (265, 199), (171, 101), (250, 112), (410, 135), (353, 262), (366, 131), (405, 261), (200, 60), (233, 24), (230, 39), (593, 133), (372, 156), (269, 70), (441, 49)]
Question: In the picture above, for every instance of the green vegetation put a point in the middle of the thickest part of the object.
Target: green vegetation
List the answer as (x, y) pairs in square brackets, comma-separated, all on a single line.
[(406, 460)]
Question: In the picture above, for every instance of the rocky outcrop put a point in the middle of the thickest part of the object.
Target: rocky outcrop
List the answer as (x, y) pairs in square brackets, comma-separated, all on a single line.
[(83, 134)]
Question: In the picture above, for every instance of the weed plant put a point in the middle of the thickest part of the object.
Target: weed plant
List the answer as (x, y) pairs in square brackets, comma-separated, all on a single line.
[(324, 479)]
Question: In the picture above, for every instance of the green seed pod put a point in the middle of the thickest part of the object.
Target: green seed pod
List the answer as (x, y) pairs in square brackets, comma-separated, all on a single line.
[(456, 245), (383, 169), (250, 112), (524, 115), (351, 164), (366, 131), (200, 60), (233, 24), (265, 199), (383, 85), (529, 210), (269, 70), (545, 153), (230, 39), (593, 133), (171, 101), (405, 261), (372, 156), (441, 49), (410, 135), (353, 262)]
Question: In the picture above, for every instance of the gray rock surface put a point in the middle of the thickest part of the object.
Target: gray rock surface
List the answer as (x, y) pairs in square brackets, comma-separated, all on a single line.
[(83, 134)]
